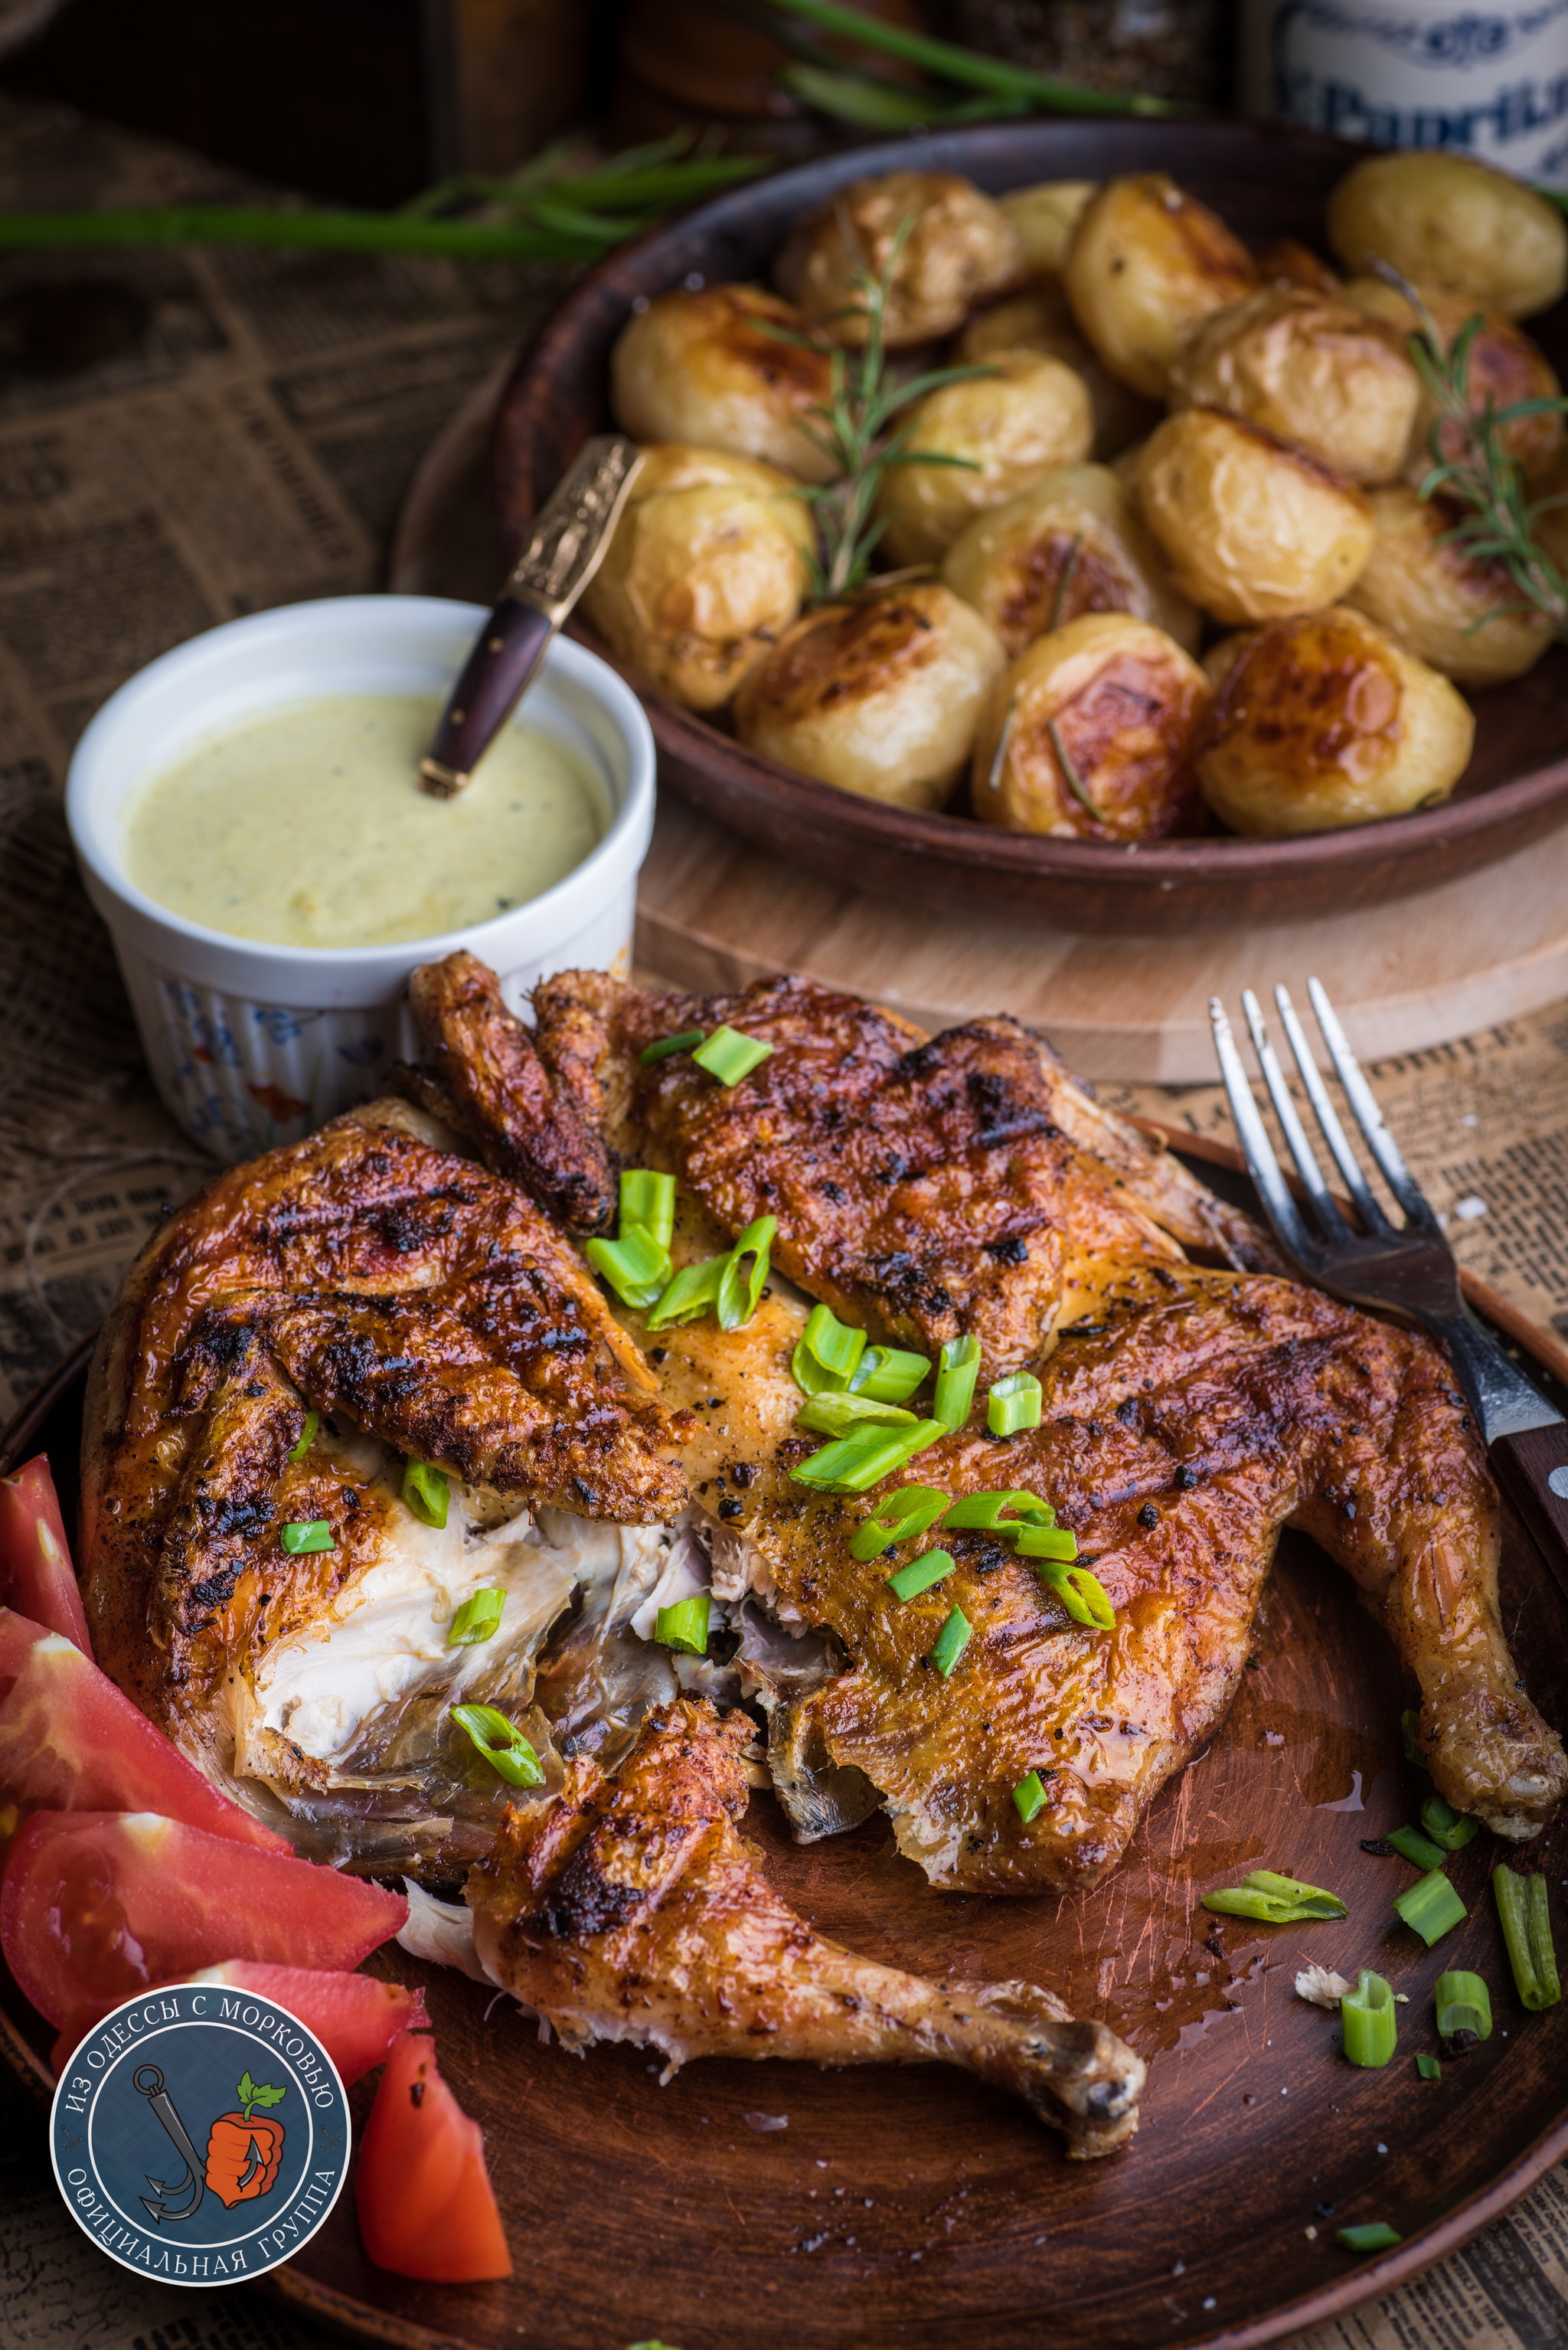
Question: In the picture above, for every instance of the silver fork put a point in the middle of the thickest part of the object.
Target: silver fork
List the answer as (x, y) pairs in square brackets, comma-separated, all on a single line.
[(1409, 1267)]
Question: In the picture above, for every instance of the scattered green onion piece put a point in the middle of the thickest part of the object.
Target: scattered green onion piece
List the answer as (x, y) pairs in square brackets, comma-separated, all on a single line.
[(1410, 1730), (919, 1575), (1030, 1796), (1277, 1900), (1446, 1826), (302, 1534), (1001, 1514), (426, 1491), (668, 1045), (1527, 1930), (1430, 1907), (1373, 2236), (951, 1642), (889, 1373), (477, 1619), (1013, 1403), (648, 1203), (1371, 2022), (857, 1462), (1464, 2004), (1058, 1545), (637, 1266), (827, 1354), (837, 1414), (501, 1743), (957, 1374), (730, 1056), (684, 1627), (1083, 1594), (740, 1291), (308, 1436), (913, 1510), (1428, 2066), (1412, 1845), (693, 1290)]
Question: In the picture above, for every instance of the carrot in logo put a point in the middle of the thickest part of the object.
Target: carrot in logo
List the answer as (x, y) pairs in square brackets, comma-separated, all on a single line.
[(243, 2154)]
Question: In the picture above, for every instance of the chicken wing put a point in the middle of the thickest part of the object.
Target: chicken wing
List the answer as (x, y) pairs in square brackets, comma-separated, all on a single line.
[(634, 1908)]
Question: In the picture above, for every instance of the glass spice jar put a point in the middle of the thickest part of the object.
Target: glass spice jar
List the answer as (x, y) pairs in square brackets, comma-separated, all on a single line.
[(1165, 49)]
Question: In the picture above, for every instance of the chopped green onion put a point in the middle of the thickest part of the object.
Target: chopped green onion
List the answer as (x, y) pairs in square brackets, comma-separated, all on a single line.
[(1013, 1403), (1057, 1543), (425, 1489), (303, 1535), (501, 1743), (1001, 1514), (637, 1266), (1430, 1907), (919, 1575), (951, 1642), (308, 1436), (857, 1462), (957, 1373), (1373, 2236), (740, 1292), (1445, 1825), (1410, 1730), (1412, 1845), (889, 1373), (1428, 2066), (826, 1354), (477, 1619), (694, 1288), (1083, 1594), (668, 1045), (730, 1056), (1277, 1900), (1371, 2022), (1030, 1796), (648, 1203), (913, 1510), (836, 1415), (1464, 2004), (685, 1625), (1527, 1929)]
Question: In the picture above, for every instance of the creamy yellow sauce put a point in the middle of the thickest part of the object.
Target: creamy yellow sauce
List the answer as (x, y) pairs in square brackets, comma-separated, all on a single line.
[(307, 825)]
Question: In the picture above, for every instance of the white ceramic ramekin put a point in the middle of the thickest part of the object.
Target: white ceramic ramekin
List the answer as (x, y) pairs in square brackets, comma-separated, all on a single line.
[(251, 1043)]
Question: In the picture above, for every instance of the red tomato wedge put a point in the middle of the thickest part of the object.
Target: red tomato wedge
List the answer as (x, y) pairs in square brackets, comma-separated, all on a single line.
[(37, 1576), (69, 1742), (96, 1906), (354, 2017), (426, 2205)]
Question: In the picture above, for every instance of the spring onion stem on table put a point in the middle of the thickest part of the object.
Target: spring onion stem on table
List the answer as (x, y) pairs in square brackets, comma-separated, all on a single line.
[(1463, 2005), (1430, 1907), (1370, 2020), (1417, 1848), (1527, 1930)]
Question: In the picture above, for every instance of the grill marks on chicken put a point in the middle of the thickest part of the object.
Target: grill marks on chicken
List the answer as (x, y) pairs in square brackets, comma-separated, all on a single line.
[(634, 1908)]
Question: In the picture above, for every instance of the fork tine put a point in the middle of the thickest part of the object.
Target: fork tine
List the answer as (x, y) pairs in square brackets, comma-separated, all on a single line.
[(1368, 1116), (1256, 1148), (1334, 1225), (1345, 1157)]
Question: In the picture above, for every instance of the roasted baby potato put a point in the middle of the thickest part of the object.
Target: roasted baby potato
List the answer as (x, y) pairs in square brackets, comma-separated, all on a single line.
[(1145, 263), (1504, 366), (1027, 416), (1251, 528), (1046, 217), (880, 694), (1324, 720), (960, 248), (1312, 369), (1090, 734), (1074, 544), (1287, 262), (1463, 618), (701, 367), (705, 571), (1449, 221), (1041, 321)]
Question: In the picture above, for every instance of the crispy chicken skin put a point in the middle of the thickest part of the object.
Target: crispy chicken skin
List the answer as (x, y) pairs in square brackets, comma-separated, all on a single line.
[(634, 1908)]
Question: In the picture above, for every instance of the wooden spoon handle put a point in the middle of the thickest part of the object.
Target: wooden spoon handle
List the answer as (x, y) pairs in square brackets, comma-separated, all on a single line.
[(506, 652), (1532, 1470)]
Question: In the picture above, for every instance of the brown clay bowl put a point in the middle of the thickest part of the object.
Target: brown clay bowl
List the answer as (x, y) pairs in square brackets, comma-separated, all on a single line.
[(1266, 181)]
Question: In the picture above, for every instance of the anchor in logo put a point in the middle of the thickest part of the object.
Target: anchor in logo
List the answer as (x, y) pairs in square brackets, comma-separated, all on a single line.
[(243, 2153), (148, 2081)]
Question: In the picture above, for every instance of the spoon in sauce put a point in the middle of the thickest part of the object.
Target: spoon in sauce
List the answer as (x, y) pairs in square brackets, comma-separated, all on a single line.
[(568, 546)]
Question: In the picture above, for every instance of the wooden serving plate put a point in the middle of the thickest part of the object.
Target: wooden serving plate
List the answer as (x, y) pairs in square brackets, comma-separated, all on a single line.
[(1266, 181), (918, 2208)]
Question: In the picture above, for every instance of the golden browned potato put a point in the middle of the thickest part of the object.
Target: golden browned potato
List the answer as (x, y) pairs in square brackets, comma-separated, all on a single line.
[(1041, 321), (1074, 544), (1322, 721), (1090, 734), (1030, 414), (1146, 262), (1504, 366), (960, 247), (1312, 369), (1251, 528), (1287, 262), (1461, 616), (701, 367), (705, 571), (1046, 217), (880, 694), (1446, 221)]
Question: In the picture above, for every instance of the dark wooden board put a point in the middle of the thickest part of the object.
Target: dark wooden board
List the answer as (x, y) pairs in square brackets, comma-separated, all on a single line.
[(1266, 181)]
